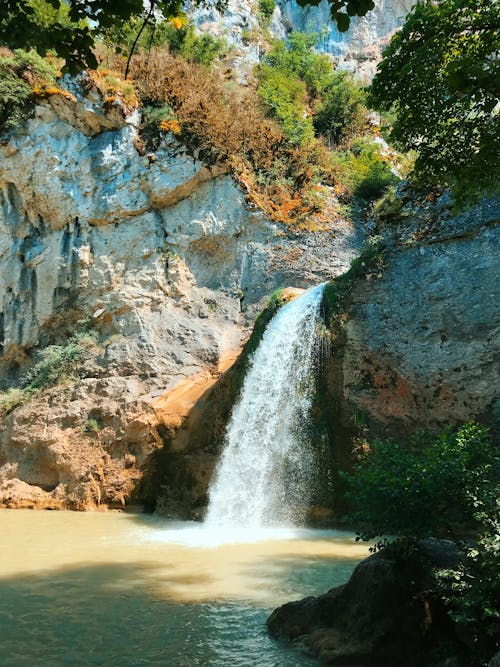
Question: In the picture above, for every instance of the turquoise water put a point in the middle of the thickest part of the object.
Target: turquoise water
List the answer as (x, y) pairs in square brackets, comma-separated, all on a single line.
[(117, 589)]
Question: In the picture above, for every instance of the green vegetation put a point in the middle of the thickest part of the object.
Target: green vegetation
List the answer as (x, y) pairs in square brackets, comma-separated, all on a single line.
[(71, 28), (179, 38), (363, 172), (440, 78), (92, 427), (285, 98), (304, 92), (446, 486), (323, 116), (23, 75), (155, 120), (388, 209), (57, 362), (342, 113), (265, 12)]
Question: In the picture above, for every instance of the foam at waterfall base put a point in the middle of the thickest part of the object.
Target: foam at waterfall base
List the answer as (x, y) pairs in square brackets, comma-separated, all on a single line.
[(196, 535), (192, 534)]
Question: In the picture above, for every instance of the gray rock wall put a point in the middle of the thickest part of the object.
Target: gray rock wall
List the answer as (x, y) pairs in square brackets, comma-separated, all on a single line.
[(358, 49), (418, 346), (157, 253)]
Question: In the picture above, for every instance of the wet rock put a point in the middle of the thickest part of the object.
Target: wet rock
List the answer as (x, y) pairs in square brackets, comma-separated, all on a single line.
[(386, 614)]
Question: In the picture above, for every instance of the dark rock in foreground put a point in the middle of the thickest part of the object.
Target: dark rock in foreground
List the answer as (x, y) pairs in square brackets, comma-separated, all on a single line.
[(385, 615)]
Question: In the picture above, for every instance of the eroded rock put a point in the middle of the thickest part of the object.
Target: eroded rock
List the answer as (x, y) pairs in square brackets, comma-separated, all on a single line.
[(162, 261)]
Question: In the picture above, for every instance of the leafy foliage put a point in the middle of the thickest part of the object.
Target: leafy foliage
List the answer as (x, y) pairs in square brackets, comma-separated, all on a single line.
[(472, 590), (56, 362), (341, 114), (180, 38), (304, 92), (441, 77), (362, 170), (427, 489), (435, 488), (319, 107), (265, 12), (285, 98), (71, 27), (21, 73)]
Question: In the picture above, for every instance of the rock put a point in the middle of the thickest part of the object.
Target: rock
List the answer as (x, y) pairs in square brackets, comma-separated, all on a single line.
[(386, 614), (163, 261), (417, 345), (359, 49)]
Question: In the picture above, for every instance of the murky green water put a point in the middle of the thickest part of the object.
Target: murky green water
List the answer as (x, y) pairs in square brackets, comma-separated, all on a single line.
[(118, 589)]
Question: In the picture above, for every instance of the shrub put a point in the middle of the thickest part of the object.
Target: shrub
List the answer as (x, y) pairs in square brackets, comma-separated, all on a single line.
[(389, 208), (296, 58), (22, 73), (285, 97), (439, 487), (10, 399), (92, 427), (341, 115), (178, 38), (156, 121), (112, 87), (56, 362), (328, 102), (265, 12), (201, 49), (362, 171), (430, 488)]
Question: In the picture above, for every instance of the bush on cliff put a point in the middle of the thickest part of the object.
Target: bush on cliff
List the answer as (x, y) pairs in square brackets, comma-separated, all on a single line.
[(23, 74), (447, 486), (307, 95), (179, 37)]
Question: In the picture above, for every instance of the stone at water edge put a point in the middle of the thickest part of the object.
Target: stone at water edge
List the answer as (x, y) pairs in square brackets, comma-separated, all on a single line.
[(386, 614)]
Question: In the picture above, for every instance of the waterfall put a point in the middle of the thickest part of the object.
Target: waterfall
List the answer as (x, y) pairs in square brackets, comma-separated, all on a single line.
[(265, 472)]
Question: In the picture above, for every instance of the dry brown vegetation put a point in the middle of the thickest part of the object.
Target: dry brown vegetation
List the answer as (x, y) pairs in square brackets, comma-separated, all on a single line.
[(226, 123)]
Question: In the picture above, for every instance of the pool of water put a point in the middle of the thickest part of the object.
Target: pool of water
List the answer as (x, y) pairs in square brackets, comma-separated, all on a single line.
[(119, 589)]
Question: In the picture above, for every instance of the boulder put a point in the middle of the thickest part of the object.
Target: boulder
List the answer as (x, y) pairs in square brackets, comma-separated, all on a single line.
[(386, 614)]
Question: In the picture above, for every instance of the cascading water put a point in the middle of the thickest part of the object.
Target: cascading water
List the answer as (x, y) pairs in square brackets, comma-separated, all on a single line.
[(264, 475)]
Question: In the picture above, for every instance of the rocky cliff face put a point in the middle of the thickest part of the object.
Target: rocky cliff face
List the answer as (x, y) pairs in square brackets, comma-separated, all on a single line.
[(414, 345), (156, 257), (417, 344), (359, 49)]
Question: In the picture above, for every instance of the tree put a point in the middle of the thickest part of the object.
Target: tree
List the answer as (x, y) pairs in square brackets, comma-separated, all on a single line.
[(448, 486), (71, 28), (440, 75), (75, 25)]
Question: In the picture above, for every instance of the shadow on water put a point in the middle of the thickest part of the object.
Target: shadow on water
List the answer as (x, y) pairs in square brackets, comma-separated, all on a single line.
[(113, 615)]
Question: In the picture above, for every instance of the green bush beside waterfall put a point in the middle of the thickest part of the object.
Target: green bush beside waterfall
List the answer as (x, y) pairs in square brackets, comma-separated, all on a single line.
[(444, 486)]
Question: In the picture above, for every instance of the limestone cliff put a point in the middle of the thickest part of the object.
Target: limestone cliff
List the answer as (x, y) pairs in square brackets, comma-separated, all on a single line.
[(414, 345), (155, 263), (417, 344), (358, 50)]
